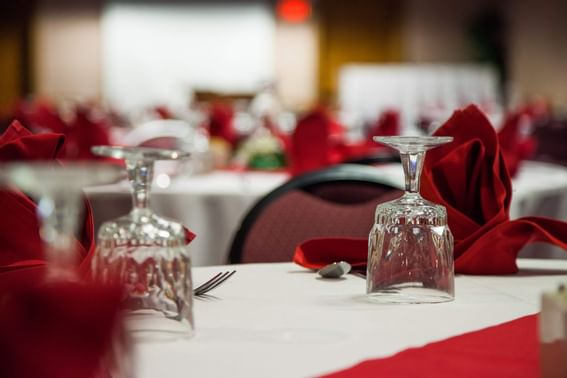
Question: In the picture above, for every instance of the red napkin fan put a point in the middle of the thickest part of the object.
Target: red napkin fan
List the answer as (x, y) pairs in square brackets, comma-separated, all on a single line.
[(84, 133), (469, 177), (314, 142), (221, 123), (388, 124), (310, 147), (40, 115), (81, 133)]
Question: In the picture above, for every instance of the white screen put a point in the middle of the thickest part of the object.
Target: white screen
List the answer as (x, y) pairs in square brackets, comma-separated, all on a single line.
[(159, 53)]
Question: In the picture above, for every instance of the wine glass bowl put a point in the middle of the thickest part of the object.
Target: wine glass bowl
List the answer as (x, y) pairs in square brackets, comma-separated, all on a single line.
[(57, 189), (146, 253), (410, 253), (57, 192)]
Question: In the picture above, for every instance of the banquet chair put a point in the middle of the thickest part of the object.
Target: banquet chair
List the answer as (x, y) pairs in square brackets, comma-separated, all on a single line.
[(376, 158), (336, 201)]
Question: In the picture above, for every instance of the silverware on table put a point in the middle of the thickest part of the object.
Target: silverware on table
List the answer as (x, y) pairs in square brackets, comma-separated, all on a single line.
[(339, 269), (212, 283)]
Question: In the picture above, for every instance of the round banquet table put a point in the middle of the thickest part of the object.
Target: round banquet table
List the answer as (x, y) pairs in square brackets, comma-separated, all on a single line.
[(213, 204), (280, 320)]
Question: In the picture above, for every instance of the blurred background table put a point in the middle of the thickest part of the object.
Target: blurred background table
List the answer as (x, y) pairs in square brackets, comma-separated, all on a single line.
[(213, 204)]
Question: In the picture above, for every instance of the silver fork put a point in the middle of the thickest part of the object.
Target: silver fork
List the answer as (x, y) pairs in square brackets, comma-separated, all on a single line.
[(212, 283)]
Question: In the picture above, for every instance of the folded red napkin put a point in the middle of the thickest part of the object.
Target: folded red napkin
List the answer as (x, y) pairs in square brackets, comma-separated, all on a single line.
[(221, 123), (468, 177), (40, 115), (506, 350), (83, 129), (313, 142), (83, 133), (318, 252), (310, 145), (515, 140), (387, 124)]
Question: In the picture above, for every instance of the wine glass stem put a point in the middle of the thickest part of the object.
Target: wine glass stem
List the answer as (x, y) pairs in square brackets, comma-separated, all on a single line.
[(140, 175), (59, 219), (412, 163)]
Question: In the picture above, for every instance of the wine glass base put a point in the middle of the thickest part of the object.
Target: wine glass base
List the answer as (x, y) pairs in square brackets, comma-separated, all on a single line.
[(409, 295), (150, 325)]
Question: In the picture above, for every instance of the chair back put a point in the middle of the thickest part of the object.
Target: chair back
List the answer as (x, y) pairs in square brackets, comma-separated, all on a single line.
[(336, 201)]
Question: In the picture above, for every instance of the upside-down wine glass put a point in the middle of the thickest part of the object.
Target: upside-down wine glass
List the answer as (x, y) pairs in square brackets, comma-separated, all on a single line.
[(58, 192), (57, 189), (410, 249), (147, 254)]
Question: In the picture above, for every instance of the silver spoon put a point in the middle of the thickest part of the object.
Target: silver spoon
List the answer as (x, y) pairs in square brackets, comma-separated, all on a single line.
[(335, 270)]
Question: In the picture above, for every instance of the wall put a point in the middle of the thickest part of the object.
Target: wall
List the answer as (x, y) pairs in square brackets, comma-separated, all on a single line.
[(296, 64), (71, 46), (434, 30), (15, 72), (67, 51), (538, 50), (357, 31), (161, 53), (536, 35)]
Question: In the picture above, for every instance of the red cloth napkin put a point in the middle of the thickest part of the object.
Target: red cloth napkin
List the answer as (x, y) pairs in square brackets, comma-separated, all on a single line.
[(40, 115), (318, 252), (388, 124), (506, 350), (468, 177), (221, 123), (313, 142), (83, 133)]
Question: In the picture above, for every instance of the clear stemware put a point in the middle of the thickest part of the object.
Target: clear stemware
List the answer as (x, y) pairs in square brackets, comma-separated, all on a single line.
[(57, 189), (58, 192), (410, 249), (146, 253)]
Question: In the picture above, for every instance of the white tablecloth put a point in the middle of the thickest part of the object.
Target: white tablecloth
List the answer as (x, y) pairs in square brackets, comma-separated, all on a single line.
[(213, 205), (280, 320)]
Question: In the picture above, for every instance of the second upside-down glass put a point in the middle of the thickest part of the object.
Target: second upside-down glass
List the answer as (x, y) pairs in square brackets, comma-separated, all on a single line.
[(410, 249), (147, 253)]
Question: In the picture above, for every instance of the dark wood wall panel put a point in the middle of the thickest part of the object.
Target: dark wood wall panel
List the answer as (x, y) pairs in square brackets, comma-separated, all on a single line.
[(356, 31)]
